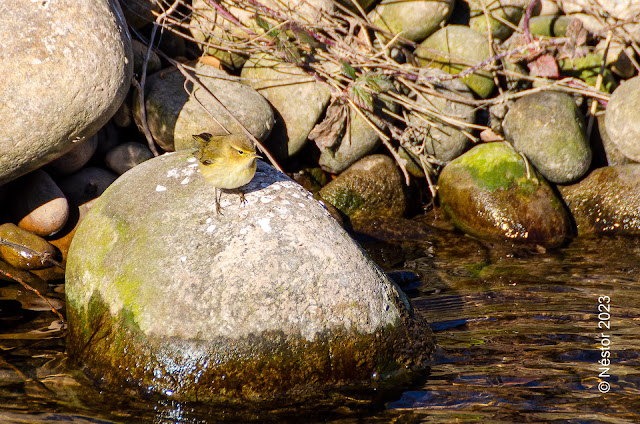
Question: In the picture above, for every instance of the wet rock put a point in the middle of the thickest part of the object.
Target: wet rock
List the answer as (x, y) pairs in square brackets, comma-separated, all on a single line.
[(75, 158), (33, 257), (173, 117), (373, 186), (548, 128), (621, 118), (446, 46), (488, 193), (298, 99), (38, 204), (125, 156), (270, 297), (443, 141), (62, 79), (413, 20), (499, 12), (606, 201)]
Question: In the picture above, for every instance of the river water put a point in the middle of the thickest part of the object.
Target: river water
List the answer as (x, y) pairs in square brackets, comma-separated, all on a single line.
[(524, 335)]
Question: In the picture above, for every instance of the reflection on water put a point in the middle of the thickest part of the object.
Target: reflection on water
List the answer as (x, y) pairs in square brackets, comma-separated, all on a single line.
[(517, 331)]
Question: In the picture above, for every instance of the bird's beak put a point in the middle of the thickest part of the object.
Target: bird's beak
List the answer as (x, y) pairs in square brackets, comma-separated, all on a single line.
[(255, 155)]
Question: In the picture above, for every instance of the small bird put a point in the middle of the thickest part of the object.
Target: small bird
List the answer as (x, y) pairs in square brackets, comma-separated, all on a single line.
[(226, 162)]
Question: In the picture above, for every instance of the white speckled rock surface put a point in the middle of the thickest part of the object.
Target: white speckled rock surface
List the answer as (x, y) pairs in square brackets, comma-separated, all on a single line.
[(154, 245)]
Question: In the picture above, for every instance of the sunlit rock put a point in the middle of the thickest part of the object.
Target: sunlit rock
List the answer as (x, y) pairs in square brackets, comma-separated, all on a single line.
[(490, 193), (548, 128), (270, 297), (606, 201)]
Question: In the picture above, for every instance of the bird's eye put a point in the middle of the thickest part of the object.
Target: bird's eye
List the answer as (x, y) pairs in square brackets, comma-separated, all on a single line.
[(240, 152), (207, 162)]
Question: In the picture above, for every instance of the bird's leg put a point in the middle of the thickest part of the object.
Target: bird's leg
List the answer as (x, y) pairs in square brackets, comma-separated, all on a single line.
[(242, 198), (218, 193)]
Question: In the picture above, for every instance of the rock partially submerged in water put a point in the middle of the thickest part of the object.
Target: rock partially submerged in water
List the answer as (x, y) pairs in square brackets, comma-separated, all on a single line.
[(490, 193), (271, 297), (607, 201)]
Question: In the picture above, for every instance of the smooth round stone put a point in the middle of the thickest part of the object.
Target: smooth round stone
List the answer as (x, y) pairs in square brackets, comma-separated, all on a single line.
[(443, 47), (443, 141), (414, 20), (359, 140), (612, 153), (269, 298), (297, 97), (75, 158), (621, 118), (606, 201), (499, 11), (123, 116), (30, 258), (549, 26), (548, 128), (125, 156), (86, 185), (38, 204), (488, 193), (373, 186), (140, 53), (62, 78), (174, 117), (210, 28)]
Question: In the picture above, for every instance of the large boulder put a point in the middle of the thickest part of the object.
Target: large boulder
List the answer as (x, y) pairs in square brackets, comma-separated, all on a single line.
[(66, 67), (270, 297)]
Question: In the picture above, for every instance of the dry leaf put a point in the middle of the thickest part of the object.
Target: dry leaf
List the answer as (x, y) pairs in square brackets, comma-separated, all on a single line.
[(489, 136), (327, 133), (544, 66), (575, 47)]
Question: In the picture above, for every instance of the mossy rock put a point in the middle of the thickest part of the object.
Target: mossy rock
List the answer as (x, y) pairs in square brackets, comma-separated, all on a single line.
[(269, 300), (490, 193)]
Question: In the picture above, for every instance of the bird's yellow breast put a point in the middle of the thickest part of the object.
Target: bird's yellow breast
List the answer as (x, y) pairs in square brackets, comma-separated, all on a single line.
[(229, 175)]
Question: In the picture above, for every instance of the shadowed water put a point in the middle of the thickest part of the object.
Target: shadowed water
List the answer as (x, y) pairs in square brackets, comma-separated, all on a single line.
[(517, 330)]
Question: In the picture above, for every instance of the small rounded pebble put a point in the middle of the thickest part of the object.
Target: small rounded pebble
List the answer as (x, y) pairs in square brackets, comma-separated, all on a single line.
[(125, 156), (74, 159), (38, 204)]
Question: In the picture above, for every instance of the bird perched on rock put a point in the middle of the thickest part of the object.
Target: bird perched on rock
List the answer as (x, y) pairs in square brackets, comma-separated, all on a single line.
[(226, 162)]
